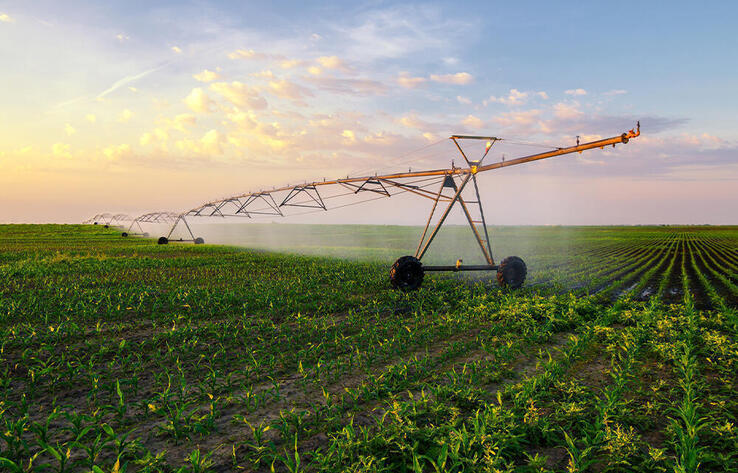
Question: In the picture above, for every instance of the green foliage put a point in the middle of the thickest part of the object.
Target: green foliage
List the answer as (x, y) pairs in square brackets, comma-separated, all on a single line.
[(123, 355)]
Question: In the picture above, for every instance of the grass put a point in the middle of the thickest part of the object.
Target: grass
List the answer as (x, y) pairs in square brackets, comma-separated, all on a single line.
[(122, 355)]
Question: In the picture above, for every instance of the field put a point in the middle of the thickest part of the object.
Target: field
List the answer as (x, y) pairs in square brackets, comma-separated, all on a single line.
[(619, 354)]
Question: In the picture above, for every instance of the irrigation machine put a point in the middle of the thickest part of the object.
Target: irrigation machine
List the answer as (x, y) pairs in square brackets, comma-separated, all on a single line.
[(443, 187)]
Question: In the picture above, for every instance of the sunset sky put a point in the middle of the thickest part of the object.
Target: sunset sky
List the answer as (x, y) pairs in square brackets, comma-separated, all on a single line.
[(125, 106)]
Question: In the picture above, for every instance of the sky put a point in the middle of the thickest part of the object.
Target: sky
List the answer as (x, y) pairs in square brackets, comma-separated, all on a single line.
[(141, 106)]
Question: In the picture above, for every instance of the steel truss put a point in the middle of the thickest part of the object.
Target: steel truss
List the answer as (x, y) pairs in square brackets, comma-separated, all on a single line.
[(151, 217), (107, 219)]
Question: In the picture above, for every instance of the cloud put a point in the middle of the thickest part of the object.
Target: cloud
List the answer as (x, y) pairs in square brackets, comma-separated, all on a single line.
[(198, 101), (567, 111), (464, 100), (616, 92), (158, 136), (239, 94), (127, 80), (349, 136), (266, 74), (122, 37), (211, 142), (515, 97), (412, 121), (117, 152), (575, 92), (90, 118), (542, 95), (359, 87), (5, 18), (125, 116), (315, 70), (523, 118), (176, 50), (288, 90), (69, 129), (206, 76), (245, 54), (401, 31), (61, 150), (331, 62), (290, 63), (180, 122), (473, 122), (460, 78), (407, 81)]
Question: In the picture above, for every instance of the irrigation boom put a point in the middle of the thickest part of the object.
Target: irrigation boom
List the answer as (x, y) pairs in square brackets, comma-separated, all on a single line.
[(439, 185)]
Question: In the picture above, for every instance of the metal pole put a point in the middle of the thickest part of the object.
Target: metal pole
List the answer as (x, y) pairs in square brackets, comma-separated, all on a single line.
[(475, 231), (443, 217), (484, 222), (430, 217)]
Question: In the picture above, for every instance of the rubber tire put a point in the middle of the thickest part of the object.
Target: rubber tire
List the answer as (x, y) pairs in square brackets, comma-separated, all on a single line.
[(106, 226), (199, 241), (511, 272), (124, 234), (407, 273), (95, 223), (162, 241), (145, 235)]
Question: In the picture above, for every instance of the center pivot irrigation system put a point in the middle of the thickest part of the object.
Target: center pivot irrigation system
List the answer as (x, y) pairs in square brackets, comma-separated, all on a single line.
[(441, 186)]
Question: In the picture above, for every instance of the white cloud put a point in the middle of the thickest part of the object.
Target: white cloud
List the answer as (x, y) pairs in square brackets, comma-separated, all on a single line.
[(412, 121), (515, 97), (69, 129), (542, 95), (460, 78), (157, 136), (117, 152), (464, 100), (176, 50), (409, 82), (315, 70), (349, 136), (125, 116), (239, 94), (359, 87), (198, 101), (245, 54), (5, 18), (61, 150), (616, 92), (206, 76), (290, 63), (575, 92), (473, 122), (567, 111), (524, 118), (122, 37), (288, 90), (331, 62), (126, 80), (211, 142)]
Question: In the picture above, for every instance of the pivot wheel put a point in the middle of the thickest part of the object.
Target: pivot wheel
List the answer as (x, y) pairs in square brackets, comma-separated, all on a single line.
[(511, 272), (124, 234), (199, 241), (407, 273), (163, 240)]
